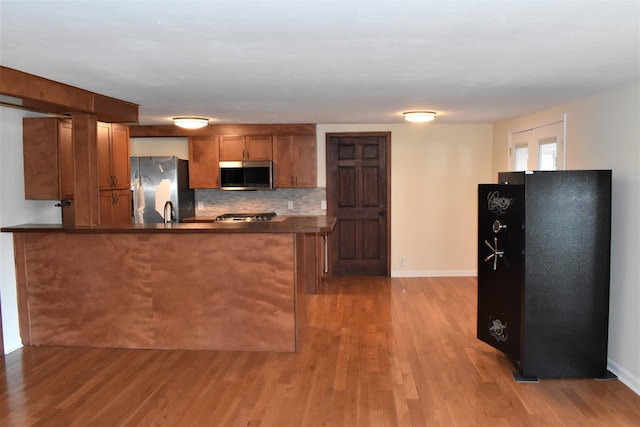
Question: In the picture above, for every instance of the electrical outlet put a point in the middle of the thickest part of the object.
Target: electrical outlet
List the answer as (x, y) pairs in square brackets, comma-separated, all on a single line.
[(323, 204), (200, 205), (403, 262), (290, 204)]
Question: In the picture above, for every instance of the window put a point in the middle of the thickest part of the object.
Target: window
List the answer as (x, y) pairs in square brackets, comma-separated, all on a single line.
[(538, 148), (521, 157), (548, 155)]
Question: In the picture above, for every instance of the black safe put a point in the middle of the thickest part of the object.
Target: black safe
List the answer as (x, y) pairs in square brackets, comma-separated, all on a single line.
[(544, 242)]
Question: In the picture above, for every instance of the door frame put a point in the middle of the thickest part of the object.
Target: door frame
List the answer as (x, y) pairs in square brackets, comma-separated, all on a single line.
[(330, 208)]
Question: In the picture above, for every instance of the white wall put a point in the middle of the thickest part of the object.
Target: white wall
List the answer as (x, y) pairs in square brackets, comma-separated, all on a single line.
[(603, 132), (435, 172), (15, 210)]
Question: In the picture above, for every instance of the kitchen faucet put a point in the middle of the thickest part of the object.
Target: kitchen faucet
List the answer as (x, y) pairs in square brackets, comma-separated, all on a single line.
[(170, 215)]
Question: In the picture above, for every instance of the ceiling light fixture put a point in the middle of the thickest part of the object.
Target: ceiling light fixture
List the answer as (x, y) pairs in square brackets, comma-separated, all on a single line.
[(190, 122), (419, 116)]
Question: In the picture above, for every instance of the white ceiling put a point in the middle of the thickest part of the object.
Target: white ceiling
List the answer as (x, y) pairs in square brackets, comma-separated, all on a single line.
[(327, 61)]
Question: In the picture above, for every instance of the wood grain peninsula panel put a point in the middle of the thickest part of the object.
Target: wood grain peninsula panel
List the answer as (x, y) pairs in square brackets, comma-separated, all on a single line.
[(188, 291), (89, 290), (236, 290)]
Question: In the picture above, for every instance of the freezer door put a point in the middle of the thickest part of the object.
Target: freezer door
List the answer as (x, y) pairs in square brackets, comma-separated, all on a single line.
[(500, 266), (154, 182)]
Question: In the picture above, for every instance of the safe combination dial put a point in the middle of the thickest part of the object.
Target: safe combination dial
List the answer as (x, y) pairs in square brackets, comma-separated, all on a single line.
[(497, 226)]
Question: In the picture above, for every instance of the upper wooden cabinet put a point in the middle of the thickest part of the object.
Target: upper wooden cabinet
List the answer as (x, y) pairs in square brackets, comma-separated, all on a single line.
[(55, 148), (203, 162), (246, 147), (295, 161), (114, 173), (292, 148), (48, 158), (114, 164)]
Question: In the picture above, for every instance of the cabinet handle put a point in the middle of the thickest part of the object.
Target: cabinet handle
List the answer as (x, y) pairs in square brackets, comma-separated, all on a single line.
[(115, 180)]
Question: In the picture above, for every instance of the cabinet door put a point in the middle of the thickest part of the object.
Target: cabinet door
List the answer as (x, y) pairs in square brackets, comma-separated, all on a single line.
[(48, 159), (120, 153), (65, 160), (232, 148), (258, 147), (114, 167), (121, 210), (295, 161), (203, 162), (104, 156), (115, 207), (106, 214), (40, 155), (305, 153), (284, 162)]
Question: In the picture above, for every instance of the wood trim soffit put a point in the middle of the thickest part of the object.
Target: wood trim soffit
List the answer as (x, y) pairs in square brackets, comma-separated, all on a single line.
[(156, 131), (31, 92)]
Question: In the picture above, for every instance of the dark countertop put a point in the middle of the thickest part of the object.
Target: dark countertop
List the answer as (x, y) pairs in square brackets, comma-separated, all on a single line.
[(288, 224)]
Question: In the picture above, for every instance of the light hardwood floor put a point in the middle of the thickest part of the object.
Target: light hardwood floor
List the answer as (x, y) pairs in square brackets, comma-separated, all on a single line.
[(377, 352)]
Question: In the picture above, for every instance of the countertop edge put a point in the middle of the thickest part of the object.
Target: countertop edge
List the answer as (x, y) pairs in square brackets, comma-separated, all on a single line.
[(299, 224)]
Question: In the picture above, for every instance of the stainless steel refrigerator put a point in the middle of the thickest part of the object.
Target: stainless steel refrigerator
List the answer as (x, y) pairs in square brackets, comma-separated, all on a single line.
[(161, 184), (543, 271)]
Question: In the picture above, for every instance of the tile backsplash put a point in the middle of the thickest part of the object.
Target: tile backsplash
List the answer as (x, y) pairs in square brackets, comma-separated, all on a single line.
[(305, 201)]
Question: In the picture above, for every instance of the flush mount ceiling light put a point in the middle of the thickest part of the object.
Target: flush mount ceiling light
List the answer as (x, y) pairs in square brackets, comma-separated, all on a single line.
[(419, 116), (190, 122)]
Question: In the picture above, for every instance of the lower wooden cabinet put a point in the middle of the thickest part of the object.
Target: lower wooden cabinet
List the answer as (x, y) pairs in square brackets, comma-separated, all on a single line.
[(115, 207)]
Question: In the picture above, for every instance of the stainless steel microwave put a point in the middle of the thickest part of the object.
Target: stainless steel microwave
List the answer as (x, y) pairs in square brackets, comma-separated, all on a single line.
[(246, 175)]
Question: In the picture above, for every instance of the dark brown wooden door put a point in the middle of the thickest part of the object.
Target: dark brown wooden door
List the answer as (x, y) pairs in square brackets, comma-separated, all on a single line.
[(358, 194)]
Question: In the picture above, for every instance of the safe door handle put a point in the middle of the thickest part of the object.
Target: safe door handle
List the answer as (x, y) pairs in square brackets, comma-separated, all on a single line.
[(495, 253)]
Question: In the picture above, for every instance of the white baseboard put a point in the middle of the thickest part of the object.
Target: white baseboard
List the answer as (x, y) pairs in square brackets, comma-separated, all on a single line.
[(12, 348), (624, 376), (433, 273)]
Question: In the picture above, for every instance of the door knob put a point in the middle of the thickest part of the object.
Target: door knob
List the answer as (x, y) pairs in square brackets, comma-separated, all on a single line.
[(381, 213)]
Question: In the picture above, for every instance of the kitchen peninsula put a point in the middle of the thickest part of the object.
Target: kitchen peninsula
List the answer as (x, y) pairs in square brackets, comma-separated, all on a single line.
[(199, 285)]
